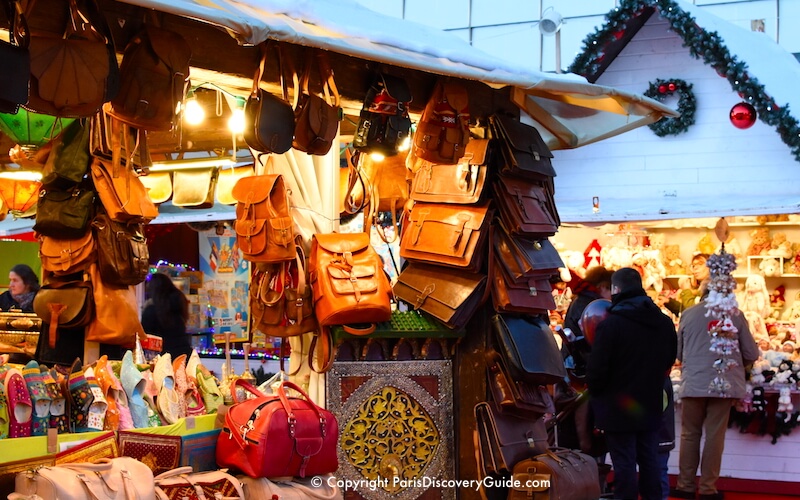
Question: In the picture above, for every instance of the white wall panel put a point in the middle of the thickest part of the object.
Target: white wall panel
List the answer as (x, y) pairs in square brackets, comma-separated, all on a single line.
[(789, 35), (741, 14)]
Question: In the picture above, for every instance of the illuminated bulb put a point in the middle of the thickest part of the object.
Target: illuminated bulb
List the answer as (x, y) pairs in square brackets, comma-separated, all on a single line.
[(403, 146), (236, 121), (377, 156), (194, 113)]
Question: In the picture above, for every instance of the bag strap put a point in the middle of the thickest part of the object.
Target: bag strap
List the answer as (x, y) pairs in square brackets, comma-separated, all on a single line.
[(329, 89), (355, 175), (18, 24), (326, 355), (290, 411), (247, 386)]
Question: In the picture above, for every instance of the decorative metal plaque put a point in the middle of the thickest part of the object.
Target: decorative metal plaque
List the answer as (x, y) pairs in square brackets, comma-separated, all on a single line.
[(395, 426)]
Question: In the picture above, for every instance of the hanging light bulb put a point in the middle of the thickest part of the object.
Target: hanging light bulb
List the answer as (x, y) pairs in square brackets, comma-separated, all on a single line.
[(377, 157), (236, 121), (193, 113), (404, 144)]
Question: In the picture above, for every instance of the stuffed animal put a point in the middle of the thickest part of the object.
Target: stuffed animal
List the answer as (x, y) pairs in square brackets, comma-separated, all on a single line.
[(732, 247), (780, 246), (657, 241), (758, 328), (747, 400), (793, 312), (785, 400), (777, 300), (759, 401), (706, 245), (756, 296), (770, 267), (760, 242), (673, 263)]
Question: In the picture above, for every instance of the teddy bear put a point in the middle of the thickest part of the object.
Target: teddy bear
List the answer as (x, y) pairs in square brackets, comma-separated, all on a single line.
[(759, 401), (706, 244), (746, 403), (792, 313), (785, 400), (755, 297), (760, 242), (777, 301), (780, 246), (673, 263), (770, 267)]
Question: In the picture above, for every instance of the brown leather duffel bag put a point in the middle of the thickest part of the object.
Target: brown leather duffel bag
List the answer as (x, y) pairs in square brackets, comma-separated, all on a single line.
[(558, 474)]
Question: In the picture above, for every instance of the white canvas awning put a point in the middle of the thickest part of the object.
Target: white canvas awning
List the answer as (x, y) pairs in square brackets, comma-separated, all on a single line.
[(568, 111)]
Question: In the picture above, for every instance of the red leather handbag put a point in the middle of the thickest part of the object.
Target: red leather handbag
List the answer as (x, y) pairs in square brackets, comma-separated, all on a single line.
[(278, 436)]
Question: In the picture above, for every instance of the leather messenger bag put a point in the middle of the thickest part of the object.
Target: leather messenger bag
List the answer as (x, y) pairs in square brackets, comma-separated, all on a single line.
[(448, 235), (461, 183), (450, 295), (526, 207)]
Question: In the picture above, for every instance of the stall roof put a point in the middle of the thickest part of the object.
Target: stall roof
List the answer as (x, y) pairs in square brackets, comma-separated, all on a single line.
[(569, 111)]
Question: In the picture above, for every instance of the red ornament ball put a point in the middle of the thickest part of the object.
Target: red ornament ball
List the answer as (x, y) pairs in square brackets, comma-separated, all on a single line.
[(672, 87), (662, 89), (743, 115)]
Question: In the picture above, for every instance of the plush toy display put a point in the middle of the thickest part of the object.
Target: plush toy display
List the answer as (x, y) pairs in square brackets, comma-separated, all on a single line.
[(755, 296), (706, 244), (777, 300), (793, 312), (770, 267), (785, 400), (780, 246), (759, 401), (673, 263), (760, 242)]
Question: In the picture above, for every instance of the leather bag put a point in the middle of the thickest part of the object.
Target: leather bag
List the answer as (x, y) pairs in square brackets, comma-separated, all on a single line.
[(294, 489), (116, 318), (524, 153), (16, 74), (348, 280), (122, 255), (278, 435), (264, 226), (462, 183), (280, 298), (64, 214), (448, 235), (450, 295), (526, 294), (269, 120), (526, 207), (122, 194), (443, 130), (158, 186), (529, 349), (515, 397), (69, 159), (63, 257), (505, 440), (64, 304), (226, 179), (121, 478), (316, 117), (557, 474), (73, 74), (185, 484), (525, 256), (194, 188), (384, 125)]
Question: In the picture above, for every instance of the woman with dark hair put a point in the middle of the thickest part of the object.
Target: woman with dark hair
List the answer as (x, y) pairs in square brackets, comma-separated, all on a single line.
[(22, 287), (165, 314)]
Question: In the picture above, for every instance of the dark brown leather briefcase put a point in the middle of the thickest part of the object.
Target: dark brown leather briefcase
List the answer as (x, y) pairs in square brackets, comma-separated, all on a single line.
[(526, 207), (505, 440), (450, 295), (524, 152)]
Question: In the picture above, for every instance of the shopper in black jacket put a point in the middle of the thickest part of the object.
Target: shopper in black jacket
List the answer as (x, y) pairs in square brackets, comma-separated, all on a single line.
[(633, 351)]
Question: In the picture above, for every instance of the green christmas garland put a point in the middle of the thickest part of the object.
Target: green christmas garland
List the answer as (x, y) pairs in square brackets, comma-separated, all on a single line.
[(687, 105)]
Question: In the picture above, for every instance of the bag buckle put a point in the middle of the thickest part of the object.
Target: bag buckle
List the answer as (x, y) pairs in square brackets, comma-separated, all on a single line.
[(424, 295), (533, 292), (292, 421)]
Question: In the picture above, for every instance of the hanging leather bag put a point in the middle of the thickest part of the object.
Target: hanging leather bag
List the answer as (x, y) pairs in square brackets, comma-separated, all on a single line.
[(557, 474), (529, 349), (526, 207), (515, 397), (116, 318), (278, 435), (64, 304), (505, 440), (384, 125), (446, 234), (226, 179), (64, 214), (63, 257), (122, 255), (263, 225), (73, 74), (461, 183), (523, 152), (316, 117), (194, 188), (348, 280), (122, 194), (16, 74), (269, 120), (443, 130), (69, 159)]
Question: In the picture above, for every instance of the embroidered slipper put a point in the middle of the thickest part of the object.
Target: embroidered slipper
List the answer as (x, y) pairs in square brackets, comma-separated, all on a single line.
[(167, 400), (40, 397), (95, 420), (59, 417), (118, 415), (150, 393), (20, 407), (191, 365), (212, 396), (80, 398), (134, 385), (181, 383), (3, 408)]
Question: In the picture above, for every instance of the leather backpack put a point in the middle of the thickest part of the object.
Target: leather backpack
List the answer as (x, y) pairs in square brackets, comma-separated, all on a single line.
[(264, 231), (442, 133)]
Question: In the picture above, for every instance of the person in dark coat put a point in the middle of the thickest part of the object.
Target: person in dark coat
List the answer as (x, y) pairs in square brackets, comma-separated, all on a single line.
[(633, 351), (23, 284), (165, 314)]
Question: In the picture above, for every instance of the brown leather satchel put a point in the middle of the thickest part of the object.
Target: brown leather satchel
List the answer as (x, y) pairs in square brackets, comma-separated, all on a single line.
[(316, 117), (450, 295), (263, 226), (448, 235), (122, 254), (524, 153), (348, 280), (116, 318), (62, 257), (280, 298), (526, 207), (460, 183), (528, 294), (194, 188), (516, 397), (443, 130), (505, 440), (123, 195), (557, 474), (64, 304)]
